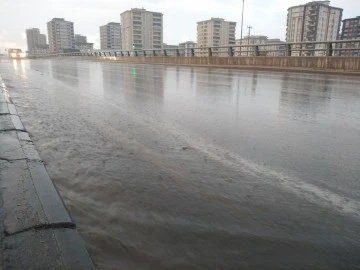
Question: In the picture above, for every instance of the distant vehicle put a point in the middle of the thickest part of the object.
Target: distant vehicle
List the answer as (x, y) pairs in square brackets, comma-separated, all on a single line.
[(16, 54)]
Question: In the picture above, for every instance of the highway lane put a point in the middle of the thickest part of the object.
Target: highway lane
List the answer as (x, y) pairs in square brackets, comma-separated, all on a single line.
[(199, 168)]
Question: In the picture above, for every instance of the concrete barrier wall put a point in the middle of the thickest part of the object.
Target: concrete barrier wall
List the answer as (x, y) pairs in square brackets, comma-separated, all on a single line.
[(323, 64)]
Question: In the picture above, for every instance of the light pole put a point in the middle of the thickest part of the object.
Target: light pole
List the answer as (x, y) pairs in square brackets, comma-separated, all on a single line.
[(242, 24)]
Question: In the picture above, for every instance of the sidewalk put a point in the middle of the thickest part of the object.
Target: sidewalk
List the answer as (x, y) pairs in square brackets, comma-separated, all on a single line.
[(36, 231)]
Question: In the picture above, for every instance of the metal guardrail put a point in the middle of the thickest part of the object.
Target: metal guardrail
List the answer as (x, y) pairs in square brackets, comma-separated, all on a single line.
[(319, 48)]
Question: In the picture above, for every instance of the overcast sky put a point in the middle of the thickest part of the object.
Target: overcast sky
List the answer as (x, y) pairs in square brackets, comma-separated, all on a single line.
[(267, 17)]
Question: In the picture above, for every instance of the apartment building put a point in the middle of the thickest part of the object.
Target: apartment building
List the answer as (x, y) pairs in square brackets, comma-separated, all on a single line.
[(141, 29), (36, 42), (275, 47), (110, 36), (270, 47), (61, 35), (185, 48), (80, 39), (82, 45), (215, 32), (351, 31), (248, 43), (314, 21)]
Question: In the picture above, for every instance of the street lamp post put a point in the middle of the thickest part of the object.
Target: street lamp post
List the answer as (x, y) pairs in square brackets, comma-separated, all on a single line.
[(242, 24)]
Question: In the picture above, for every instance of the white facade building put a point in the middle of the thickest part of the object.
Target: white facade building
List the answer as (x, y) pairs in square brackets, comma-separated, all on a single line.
[(314, 21), (215, 32), (110, 36), (141, 29), (36, 42), (61, 35)]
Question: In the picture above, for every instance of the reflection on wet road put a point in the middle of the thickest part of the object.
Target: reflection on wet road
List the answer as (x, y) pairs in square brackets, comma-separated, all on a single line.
[(199, 168)]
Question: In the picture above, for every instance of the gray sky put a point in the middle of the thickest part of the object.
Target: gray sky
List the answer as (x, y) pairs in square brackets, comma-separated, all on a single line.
[(267, 17)]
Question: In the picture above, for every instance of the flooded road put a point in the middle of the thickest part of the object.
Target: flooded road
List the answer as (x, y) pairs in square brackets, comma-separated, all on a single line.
[(167, 167)]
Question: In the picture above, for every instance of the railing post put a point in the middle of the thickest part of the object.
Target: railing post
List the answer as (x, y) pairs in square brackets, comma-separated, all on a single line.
[(210, 51), (288, 49), (231, 51), (154, 53), (329, 49), (192, 52), (165, 53), (144, 53), (256, 50), (136, 53), (177, 52)]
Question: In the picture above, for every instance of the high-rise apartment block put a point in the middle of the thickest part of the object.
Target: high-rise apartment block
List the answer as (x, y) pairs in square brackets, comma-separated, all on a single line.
[(351, 31), (61, 35), (314, 21), (215, 32), (110, 36), (141, 29), (36, 42)]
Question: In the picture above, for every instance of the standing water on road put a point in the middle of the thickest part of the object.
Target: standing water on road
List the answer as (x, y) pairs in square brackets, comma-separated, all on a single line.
[(168, 167)]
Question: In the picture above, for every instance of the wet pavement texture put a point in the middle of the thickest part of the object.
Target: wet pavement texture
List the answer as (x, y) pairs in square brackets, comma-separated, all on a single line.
[(36, 231), (166, 167)]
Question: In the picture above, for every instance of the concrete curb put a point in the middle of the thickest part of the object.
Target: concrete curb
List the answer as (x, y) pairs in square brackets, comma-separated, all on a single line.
[(36, 230)]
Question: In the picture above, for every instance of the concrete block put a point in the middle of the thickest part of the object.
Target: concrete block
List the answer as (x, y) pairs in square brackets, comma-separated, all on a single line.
[(2, 96), (53, 206), (10, 147), (6, 122), (21, 205), (17, 122), (29, 150), (4, 108), (73, 249), (12, 109), (45, 249), (24, 136)]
